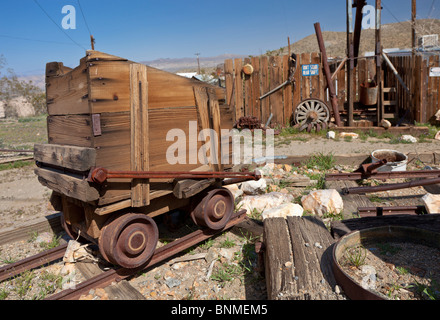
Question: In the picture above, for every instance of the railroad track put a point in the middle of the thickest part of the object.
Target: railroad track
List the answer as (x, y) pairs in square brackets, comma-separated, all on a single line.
[(113, 275), (36, 261)]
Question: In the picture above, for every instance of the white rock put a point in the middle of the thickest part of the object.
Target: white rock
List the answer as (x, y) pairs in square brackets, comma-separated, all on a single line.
[(268, 169), (235, 190), (385, 123), (264, 202), (228, 253), (254, 187), (409, 138), (331, 135), (321, 202), (437, 136), (284, 211), (432, 203)]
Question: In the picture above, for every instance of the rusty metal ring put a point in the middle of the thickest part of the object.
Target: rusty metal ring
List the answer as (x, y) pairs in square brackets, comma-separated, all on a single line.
[(129, 241), (352, 289)]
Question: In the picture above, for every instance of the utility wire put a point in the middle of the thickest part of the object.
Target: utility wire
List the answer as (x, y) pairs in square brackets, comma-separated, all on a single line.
[(62, 30), (432, 8), (392, 14), (36, 40), (82, 13)]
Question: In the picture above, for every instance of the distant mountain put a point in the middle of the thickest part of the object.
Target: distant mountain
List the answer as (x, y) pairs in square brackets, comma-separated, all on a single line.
[(37, 80), (190, 64), (394, 35)]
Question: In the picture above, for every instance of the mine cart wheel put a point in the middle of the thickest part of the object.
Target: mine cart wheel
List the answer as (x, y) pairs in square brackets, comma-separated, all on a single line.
[(214, 210), (312, 114), (129, 240)]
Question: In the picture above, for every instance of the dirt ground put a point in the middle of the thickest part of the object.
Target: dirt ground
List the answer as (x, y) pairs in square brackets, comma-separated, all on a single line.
[(23, 198), (327, 146)]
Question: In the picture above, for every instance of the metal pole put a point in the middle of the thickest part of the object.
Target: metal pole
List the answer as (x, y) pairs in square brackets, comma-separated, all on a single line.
[(198, 62), (328, 75)]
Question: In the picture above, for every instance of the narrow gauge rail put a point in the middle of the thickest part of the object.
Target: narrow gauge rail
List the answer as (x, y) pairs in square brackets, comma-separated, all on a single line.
[(113, 275), (33, 262)]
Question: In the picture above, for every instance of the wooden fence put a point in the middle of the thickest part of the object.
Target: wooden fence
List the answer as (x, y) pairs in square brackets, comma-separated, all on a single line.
[(243, 91)]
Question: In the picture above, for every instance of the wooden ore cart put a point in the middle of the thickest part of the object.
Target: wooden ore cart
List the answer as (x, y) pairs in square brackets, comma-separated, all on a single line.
[(112, 115)]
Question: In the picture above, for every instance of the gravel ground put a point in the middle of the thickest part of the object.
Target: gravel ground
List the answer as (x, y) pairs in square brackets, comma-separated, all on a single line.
[(396, 271), (230, 259)]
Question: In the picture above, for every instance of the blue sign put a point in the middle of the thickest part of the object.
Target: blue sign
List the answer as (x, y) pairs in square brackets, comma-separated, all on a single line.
[(309, 70)]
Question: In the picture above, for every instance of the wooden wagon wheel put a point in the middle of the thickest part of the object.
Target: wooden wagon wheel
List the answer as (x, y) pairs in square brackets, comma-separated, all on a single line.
[(214, 210), (312, 114), (129, 240)]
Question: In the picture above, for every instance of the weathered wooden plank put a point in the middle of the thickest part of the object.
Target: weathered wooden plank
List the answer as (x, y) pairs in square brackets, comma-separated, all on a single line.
[(185, 189), (79, 133), (248, 109), (287, 92), (76, 158), (93, 55), (305, 81), (109, 86), (342, 88), (229, 83), (67, 93), (67, 184), (119, 291), (256, 93), (298, 259), (297, 87), (161, 122), (202, 101), (311, 244), (276, 98), (280, 275), (56, 69), (140, 189), (215, 124), (264, 88), (239, 102), (315, 89)]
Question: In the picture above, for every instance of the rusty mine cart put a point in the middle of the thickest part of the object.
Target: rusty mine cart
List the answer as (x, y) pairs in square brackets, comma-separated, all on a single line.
[(106, 156)]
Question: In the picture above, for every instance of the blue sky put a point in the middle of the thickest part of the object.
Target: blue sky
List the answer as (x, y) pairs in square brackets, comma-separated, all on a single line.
[(146, 30)]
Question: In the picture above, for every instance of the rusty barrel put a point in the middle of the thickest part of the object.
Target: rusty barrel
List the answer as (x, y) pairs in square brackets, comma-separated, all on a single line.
[(368, 93)]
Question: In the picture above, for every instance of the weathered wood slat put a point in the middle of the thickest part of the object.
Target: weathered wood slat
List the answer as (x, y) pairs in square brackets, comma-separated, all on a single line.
[(239, 103), (280, 278), (79, 133), (68, 184), (298, 259), (276, 99), (67, 93), (140, 189), (71, 157)]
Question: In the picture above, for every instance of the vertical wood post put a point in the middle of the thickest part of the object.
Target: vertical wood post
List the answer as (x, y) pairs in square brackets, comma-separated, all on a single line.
[(350, 64), (380, 111), (140, 189)]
